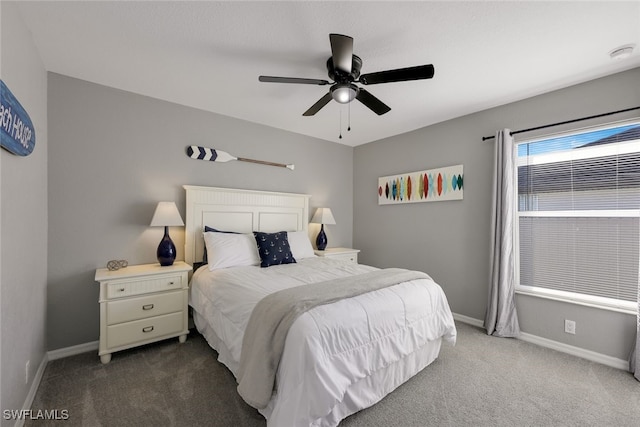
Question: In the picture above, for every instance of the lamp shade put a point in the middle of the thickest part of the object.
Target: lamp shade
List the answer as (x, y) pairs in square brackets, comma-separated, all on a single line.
[(166, 214), (323, 216)]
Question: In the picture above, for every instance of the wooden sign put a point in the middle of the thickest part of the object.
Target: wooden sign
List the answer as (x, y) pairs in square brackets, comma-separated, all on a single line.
[(17, 133)]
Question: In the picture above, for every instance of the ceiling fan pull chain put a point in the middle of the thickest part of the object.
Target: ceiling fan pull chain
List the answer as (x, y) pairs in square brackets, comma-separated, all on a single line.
[(349, 125), (340, 112)]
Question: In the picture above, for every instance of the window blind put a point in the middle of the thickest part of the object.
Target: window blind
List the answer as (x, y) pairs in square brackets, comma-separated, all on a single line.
[(579, 213)]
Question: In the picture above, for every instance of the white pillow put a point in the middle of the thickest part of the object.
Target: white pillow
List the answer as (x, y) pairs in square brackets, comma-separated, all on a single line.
[(230, 250), (300, 244)]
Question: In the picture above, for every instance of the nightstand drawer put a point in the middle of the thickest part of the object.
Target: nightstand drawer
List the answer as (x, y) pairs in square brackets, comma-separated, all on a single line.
[(126, 310), (346, 257), (145, 329), (344, 254), (125, 288)]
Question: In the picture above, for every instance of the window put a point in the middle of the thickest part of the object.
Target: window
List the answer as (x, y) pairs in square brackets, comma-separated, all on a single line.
[(578, 216)]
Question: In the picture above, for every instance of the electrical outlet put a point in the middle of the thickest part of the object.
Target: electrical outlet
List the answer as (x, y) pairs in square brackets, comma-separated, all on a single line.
[(570, 326), (26, 372)]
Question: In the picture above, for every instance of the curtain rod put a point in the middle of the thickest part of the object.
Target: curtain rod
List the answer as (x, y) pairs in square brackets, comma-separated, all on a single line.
[(484, 138)]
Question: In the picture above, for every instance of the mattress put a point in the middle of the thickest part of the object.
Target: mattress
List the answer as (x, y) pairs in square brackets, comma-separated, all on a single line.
[(338, 358)]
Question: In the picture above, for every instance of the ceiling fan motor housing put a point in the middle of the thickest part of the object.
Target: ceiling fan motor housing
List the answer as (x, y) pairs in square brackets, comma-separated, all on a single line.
[(340, 76)]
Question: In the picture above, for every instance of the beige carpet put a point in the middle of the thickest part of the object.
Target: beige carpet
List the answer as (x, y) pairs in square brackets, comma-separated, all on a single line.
[(482, 381)]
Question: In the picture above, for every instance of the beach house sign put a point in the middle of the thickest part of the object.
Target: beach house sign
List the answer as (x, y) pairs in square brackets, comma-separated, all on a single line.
[(17, 134)]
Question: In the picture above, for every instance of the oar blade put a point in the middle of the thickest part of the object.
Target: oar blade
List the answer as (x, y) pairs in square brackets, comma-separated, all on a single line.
[(201, 153), (211, 154), (223, 156)]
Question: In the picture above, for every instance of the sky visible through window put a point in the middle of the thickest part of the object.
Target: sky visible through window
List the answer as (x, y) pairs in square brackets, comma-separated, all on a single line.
[(569, 142)]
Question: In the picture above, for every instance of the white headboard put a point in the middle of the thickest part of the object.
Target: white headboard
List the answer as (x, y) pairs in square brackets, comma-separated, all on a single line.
[(243, 211)]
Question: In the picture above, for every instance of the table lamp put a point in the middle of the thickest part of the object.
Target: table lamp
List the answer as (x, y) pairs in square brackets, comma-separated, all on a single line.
[(322, 216), (166, 215)]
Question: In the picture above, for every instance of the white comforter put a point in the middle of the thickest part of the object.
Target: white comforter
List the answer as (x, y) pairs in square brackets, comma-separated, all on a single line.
[(332, 348)]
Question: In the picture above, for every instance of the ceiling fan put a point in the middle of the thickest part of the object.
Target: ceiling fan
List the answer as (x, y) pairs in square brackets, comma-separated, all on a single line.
[(344, 69)]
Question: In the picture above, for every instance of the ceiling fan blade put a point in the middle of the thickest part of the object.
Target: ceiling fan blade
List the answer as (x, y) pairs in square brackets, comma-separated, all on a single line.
[(342, 52), (318, 105), (400, 75), (373, 103), (272, 79)]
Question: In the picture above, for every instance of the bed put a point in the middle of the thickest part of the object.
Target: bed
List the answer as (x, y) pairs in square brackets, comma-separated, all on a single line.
[(336, 358)]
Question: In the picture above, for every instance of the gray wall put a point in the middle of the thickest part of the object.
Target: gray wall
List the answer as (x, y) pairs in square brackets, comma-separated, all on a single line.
[(450, 240), (23, 196), (113, 155)]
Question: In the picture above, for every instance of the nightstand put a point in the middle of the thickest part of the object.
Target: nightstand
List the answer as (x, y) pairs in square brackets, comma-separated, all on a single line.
[(346, 254), (140, 304)]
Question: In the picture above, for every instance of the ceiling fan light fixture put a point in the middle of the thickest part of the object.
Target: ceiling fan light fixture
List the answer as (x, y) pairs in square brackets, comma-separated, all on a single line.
[(344, 93)]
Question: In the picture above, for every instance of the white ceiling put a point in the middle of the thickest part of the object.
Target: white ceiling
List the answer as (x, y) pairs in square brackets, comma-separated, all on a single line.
[(209, 55)]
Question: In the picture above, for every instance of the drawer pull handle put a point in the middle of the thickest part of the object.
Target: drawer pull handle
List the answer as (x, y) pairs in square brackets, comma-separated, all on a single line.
[(147, 329), (121, 290), (147, 307), (170, 283)]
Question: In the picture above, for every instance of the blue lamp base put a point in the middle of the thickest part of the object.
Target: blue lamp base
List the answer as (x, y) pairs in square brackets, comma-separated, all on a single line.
[(166, 250), (321, 240)]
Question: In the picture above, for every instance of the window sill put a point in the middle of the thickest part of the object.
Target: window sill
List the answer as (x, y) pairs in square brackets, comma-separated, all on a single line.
[(623, 307)]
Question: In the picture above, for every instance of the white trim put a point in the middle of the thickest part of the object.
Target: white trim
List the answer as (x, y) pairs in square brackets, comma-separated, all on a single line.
[(468, 320), (49, 356), (603, 359), (590, 213), (593, 356), (579, 153), (619, 306), (73, 350), (585, 129), (37, 378)]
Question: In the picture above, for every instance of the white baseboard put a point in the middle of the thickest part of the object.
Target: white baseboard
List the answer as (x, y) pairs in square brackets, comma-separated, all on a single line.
[(52, 355), (73, 350), (468, 320), (558, 346), (603, 359), (37, 378)]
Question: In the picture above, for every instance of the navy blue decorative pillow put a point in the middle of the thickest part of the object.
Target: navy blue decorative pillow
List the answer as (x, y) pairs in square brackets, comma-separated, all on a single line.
[(273, 248)]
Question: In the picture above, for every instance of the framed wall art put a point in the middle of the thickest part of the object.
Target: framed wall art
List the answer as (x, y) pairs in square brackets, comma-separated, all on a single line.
[(433, 185)]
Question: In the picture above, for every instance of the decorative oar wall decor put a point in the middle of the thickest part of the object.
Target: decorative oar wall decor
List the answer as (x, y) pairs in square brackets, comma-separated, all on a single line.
[(213, 155)]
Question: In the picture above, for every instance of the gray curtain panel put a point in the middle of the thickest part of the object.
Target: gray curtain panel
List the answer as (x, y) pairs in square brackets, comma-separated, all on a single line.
[(634, 361), (501, 319)]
